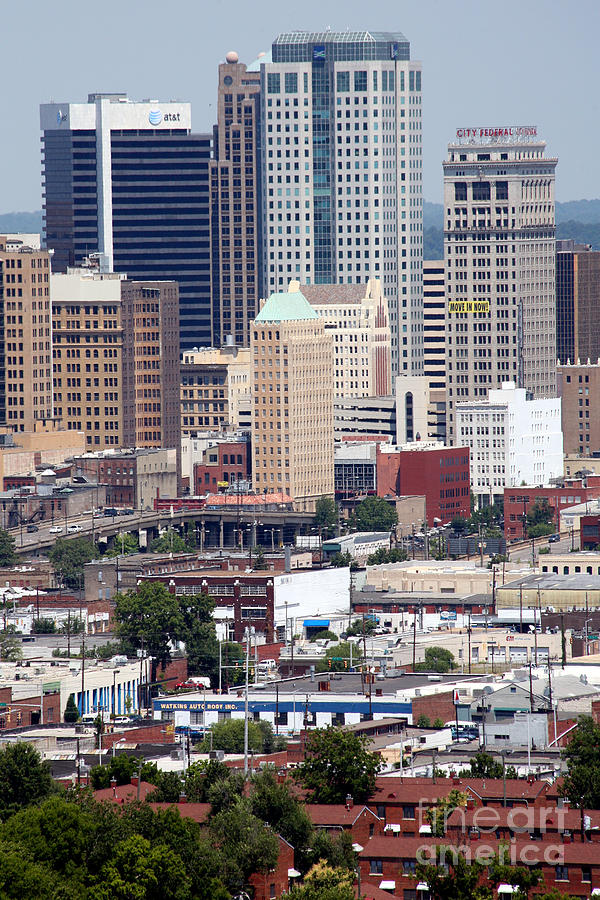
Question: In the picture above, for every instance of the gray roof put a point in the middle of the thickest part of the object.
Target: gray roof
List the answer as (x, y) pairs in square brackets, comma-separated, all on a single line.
[(337, 37), (550, 581)]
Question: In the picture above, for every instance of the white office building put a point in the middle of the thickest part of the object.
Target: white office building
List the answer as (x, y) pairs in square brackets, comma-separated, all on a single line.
[(341, 171), (513, 438)]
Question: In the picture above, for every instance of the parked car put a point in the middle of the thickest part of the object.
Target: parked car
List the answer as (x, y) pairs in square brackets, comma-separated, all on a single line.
[(31, 528), (56, 529)]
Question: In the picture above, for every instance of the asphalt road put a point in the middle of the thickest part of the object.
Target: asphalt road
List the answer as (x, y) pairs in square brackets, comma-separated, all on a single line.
[(50, 531)]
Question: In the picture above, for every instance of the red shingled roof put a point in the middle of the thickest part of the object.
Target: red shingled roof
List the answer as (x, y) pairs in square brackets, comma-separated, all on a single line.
[(199, 812), (124, 793), (336, 814)]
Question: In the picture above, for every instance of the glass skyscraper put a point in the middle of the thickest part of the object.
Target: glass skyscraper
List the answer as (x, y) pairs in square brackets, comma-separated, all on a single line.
[(341, 171), (129, 181)]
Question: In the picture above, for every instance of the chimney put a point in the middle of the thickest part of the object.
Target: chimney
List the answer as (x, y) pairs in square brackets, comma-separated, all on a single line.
[(349, 801), (134, 780), (183, 797)]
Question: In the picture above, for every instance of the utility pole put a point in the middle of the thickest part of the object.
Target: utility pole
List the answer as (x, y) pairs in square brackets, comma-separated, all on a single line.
[(469, 637), (83, 672), (414, 653), (247, 636), (530, 689), (521, 608), (563, 640), (68, 634)]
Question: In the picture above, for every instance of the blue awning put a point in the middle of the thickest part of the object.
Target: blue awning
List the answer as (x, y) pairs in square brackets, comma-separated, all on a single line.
[(316, 623)]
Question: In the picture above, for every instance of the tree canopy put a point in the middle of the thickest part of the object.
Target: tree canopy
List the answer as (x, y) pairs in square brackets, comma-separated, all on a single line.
[(375, 514), (8, 556), (337, 764), (149, 617), (68, 557), (383, 555), (582, 755), (24, 778), (124, 544), (437, 659), (228, 735), (170, 541), (326, 513)]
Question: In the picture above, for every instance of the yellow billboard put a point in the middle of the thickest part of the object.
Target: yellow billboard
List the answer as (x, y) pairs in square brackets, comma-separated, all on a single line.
[(469, 306)]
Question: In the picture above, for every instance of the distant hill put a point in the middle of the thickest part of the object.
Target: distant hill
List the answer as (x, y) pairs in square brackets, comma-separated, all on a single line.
[(576, 219), (28, 222)]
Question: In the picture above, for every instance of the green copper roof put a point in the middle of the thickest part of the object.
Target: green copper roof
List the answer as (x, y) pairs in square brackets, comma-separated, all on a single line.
[(286, 307)]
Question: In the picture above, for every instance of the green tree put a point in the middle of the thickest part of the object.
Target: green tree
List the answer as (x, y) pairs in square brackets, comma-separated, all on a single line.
[(24, 778), (170, 541), (11, 649), (169, 788), (337, 763), (581, 785), (23, 879), (277, 805), (339, 657), (383, 555), (324, 635), (375, 514), (342, 560), (199, 634), (149, 617), (201, 776), (333, 849), (437, 815), (122, 768), (483, 765), (247, 845), (362, 626), (232, 664), (68, 558), (8, 557), (437, 659), (124, 545), (438, 723), (324, 883), (139, 871), (326, 514), (540, 530), (43, 626), (71, 712), (259, 563), (228, 735), (459, 524), (423, 721)]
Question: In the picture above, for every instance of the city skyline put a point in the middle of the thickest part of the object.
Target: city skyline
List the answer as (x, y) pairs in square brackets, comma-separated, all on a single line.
[(524, 85)]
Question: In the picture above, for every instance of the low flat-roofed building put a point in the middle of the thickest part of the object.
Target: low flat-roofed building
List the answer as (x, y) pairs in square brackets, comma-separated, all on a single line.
[(550, 591)]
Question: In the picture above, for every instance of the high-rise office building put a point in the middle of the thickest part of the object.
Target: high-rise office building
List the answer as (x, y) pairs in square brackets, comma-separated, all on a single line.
[(292, 416), (129, 181), (499, 258), (116, 359), (577, 302), (25, 336), (341, 171), (434, 323), (236, 237)]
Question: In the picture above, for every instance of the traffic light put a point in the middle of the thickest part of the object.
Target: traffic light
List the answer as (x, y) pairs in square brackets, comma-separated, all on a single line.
[(329, 663), (345, 663)]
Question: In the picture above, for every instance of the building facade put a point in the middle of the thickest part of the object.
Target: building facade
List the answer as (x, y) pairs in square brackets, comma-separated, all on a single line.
[(434, 323), (25, 336), (129, 181), (357, 317), (519, 500), (116, 359), (215, 385), (236, 237), (132, 478), (224, 464), (87, 346), (513, 438), (577, 302), (440, 474), (500, 264), (292, 416), (341, 171), (151, 406), (579, 388)]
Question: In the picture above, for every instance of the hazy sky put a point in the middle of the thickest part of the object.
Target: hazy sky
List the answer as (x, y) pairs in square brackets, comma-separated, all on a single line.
[(484, 63)]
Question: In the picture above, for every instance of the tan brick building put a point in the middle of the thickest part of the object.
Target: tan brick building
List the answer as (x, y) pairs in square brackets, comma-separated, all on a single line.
[(579, 388), (26, 335), (357, 317), (116, 359), (292, 416), (215, 383)]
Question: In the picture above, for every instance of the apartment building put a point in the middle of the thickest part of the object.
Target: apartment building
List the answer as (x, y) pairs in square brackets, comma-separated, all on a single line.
[(25, 335)]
